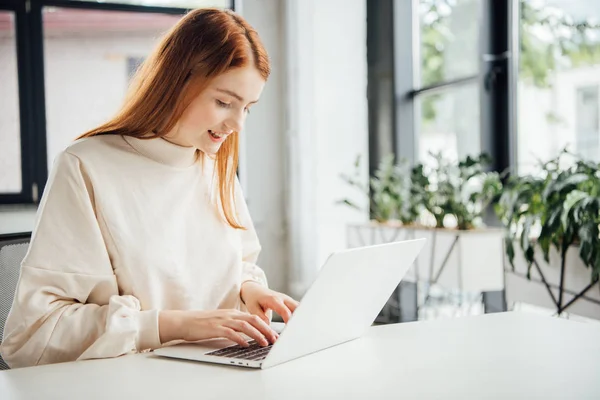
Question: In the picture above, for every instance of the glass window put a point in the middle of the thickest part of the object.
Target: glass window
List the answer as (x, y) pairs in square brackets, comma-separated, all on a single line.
[(449, 123), (559, 76), (172, 3), (10, 130), (449, 43), (587, 139), (89, 58)]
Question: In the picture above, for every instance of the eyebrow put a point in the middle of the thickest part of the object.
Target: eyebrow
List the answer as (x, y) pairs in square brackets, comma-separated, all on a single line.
[(234, 94)]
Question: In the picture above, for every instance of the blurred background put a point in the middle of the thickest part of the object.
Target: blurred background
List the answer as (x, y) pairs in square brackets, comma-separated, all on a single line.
[(474, 123)]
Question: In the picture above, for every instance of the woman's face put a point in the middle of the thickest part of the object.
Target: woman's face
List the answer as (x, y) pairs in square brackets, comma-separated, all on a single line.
[(218, 111)]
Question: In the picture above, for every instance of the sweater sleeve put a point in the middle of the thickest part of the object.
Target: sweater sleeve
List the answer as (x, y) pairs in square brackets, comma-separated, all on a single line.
[(67, 305), (250, 244)]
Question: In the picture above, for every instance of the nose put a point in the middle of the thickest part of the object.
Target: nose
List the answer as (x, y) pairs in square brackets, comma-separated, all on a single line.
[(235, 122)]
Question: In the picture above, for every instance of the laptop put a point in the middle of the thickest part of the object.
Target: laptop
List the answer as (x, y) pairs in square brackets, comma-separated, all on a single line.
[(341, 304)]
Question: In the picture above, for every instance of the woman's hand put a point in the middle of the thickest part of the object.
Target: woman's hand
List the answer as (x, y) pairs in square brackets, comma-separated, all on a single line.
[(192, 326), (259, 300)]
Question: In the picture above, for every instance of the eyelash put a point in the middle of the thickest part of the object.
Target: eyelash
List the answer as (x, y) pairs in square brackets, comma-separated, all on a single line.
[(227, 105)]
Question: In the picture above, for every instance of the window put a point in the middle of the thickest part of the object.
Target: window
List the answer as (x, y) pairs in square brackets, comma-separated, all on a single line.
[(446, 97), (448, 40), (173, 3), (449, 123), (587, 141), (10, 128), (559, 76), (87, 59), (452, 72), (133, 63), (65, 67)]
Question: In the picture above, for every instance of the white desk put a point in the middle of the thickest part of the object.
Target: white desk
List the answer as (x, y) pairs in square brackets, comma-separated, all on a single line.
[(497, 356)]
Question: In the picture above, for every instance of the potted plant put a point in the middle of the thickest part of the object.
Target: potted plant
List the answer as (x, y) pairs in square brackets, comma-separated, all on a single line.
[(389, 192), (402, 193), (418, 201), (463, 190), (557, 210)]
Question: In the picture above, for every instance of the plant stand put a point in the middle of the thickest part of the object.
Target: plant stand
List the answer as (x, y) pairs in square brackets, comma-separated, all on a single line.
[(562, 285), (475, 279), (559, 303)]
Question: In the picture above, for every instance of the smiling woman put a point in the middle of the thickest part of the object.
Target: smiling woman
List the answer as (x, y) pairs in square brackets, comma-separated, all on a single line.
[(176, 100), (143, 235), (218, 111)]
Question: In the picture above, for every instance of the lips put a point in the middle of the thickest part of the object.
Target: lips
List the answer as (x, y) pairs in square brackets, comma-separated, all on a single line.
[(217, 135)]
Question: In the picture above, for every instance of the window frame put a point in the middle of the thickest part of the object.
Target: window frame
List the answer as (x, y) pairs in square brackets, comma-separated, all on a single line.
[(495, 79), (31, 85), (26, 126)]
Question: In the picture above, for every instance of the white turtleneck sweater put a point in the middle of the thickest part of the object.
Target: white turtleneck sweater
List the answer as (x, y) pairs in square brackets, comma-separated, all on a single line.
[(126, 227)]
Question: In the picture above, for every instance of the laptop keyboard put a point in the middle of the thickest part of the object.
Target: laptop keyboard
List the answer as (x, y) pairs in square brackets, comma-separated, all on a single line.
[(254, 352)]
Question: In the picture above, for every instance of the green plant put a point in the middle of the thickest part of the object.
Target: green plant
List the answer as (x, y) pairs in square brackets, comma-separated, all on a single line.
[(419, 195), (401, 192), (386, 193), (519, 208), (389, 191), (438, 190), (462, 189), (564, 203)]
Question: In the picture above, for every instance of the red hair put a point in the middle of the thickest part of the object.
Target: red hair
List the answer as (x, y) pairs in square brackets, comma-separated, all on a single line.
[(202, 45)]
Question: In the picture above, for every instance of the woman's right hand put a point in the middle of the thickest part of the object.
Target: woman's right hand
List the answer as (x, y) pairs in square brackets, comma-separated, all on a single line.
[(192, 326)]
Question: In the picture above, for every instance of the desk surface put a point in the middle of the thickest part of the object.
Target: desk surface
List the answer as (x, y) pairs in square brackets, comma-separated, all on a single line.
[(500, 356)]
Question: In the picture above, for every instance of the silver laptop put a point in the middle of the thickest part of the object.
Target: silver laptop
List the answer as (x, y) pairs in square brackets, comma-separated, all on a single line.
[(344, 300)]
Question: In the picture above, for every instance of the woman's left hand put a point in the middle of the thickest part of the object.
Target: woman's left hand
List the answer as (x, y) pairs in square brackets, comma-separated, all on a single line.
[(260, 299)]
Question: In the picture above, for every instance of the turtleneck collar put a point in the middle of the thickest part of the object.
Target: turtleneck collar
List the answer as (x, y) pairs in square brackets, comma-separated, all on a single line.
[(163, 151)]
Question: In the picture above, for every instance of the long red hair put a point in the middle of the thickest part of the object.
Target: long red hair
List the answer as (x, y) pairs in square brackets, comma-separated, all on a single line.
[(202, 45)]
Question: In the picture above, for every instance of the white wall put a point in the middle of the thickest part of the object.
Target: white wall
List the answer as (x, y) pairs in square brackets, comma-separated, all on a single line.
[(327, 127), (262, 155), (309, 126), (341, 123)]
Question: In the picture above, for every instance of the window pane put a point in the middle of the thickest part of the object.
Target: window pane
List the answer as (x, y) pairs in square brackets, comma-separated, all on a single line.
[(559, 79), (172, 3), (449, 123), (89, 59), (10, 130), (449, 43)]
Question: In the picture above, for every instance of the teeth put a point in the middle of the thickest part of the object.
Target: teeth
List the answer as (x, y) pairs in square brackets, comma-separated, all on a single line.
[(216, 135)]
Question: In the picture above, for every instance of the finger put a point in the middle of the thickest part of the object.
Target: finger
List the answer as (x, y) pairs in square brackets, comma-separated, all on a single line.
[(291, 303), (248, 329), (256, 310), (277, 305), (262, 326), (233, 336)]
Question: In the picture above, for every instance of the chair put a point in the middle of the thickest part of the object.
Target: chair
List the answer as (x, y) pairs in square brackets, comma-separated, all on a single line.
[(12, 251)]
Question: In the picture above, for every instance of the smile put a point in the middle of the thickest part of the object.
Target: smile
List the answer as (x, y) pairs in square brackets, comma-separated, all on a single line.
[(217, 135)]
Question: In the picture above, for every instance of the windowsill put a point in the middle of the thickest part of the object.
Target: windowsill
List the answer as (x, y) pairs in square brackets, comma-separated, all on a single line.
[(16, 218)]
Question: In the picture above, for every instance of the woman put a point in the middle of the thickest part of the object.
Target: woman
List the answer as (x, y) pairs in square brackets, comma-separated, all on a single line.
[(143, 236)]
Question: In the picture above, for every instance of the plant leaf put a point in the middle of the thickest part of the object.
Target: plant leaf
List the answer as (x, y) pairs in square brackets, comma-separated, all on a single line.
[(568, 184)]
